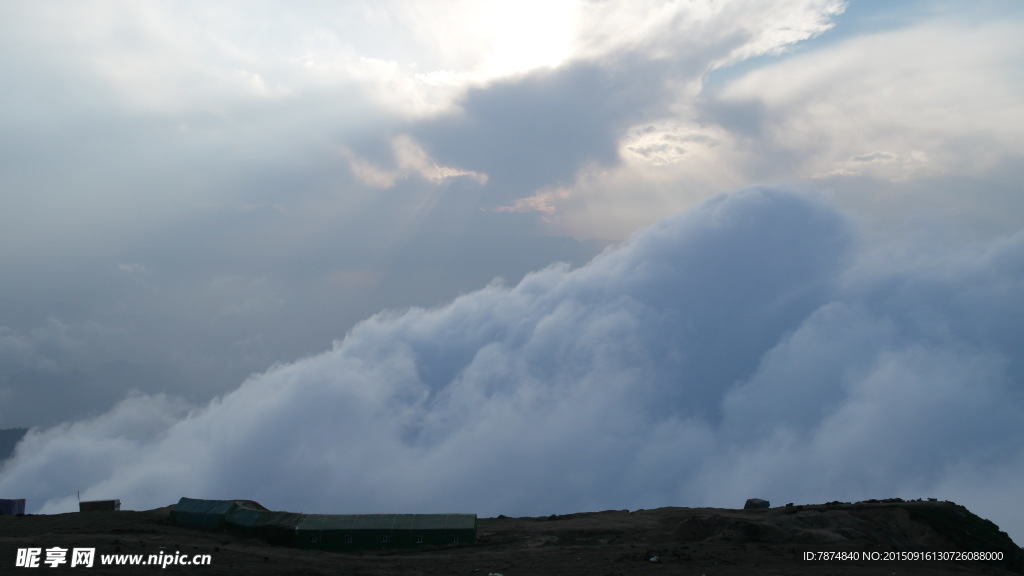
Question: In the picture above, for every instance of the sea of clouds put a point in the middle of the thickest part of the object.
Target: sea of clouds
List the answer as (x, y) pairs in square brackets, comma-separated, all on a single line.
[(759, 345)]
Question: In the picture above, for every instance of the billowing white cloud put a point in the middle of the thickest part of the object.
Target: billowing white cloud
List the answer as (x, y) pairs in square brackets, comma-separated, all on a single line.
[(757, 345)]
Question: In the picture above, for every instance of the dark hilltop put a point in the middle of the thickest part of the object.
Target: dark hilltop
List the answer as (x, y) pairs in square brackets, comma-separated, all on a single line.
[(872, 537)]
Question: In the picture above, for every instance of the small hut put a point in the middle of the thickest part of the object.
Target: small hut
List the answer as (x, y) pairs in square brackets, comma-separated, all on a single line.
[(99, 505), (12, 507)]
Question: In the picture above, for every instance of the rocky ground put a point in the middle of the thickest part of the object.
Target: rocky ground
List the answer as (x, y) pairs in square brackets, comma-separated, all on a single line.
[(684, 541)]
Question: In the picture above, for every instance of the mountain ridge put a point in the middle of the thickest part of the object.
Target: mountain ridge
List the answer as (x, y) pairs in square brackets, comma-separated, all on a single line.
[(670, 540)]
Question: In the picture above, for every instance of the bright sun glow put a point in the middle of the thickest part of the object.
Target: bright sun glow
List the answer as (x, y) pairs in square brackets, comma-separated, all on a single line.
[(526, 34)]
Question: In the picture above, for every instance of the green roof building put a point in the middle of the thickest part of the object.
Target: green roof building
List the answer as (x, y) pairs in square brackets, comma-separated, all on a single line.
[(202, 513), (327, 531), (274, 527)]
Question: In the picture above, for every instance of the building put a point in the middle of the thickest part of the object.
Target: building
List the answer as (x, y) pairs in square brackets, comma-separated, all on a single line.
[(14, 507), (99, 505), (273, 527), (202, 513), (327, 531)]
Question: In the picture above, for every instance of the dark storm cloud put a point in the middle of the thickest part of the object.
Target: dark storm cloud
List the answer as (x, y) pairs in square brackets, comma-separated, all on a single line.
[(750, 346), (538, 129)]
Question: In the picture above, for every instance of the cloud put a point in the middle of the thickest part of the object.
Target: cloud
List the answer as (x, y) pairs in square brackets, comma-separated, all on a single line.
[(131, 268), (410, 158), (874, 157), (192, 194), (542, 201), (935, 89), (733, 31), (756, 345), (58, 372), (530, 132), (896, 121), (317, 157), (634, 64)]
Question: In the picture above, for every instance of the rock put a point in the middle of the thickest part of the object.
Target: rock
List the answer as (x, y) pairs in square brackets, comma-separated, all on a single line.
[(756, 504)]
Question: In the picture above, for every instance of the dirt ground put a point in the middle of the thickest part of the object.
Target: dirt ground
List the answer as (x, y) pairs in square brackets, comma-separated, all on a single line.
[(685, 541)]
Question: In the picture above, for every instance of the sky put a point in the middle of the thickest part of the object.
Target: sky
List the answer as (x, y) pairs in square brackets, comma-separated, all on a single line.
[(513, 258)]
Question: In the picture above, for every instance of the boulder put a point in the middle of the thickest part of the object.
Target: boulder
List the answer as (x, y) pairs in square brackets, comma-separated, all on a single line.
[(756, 504)]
